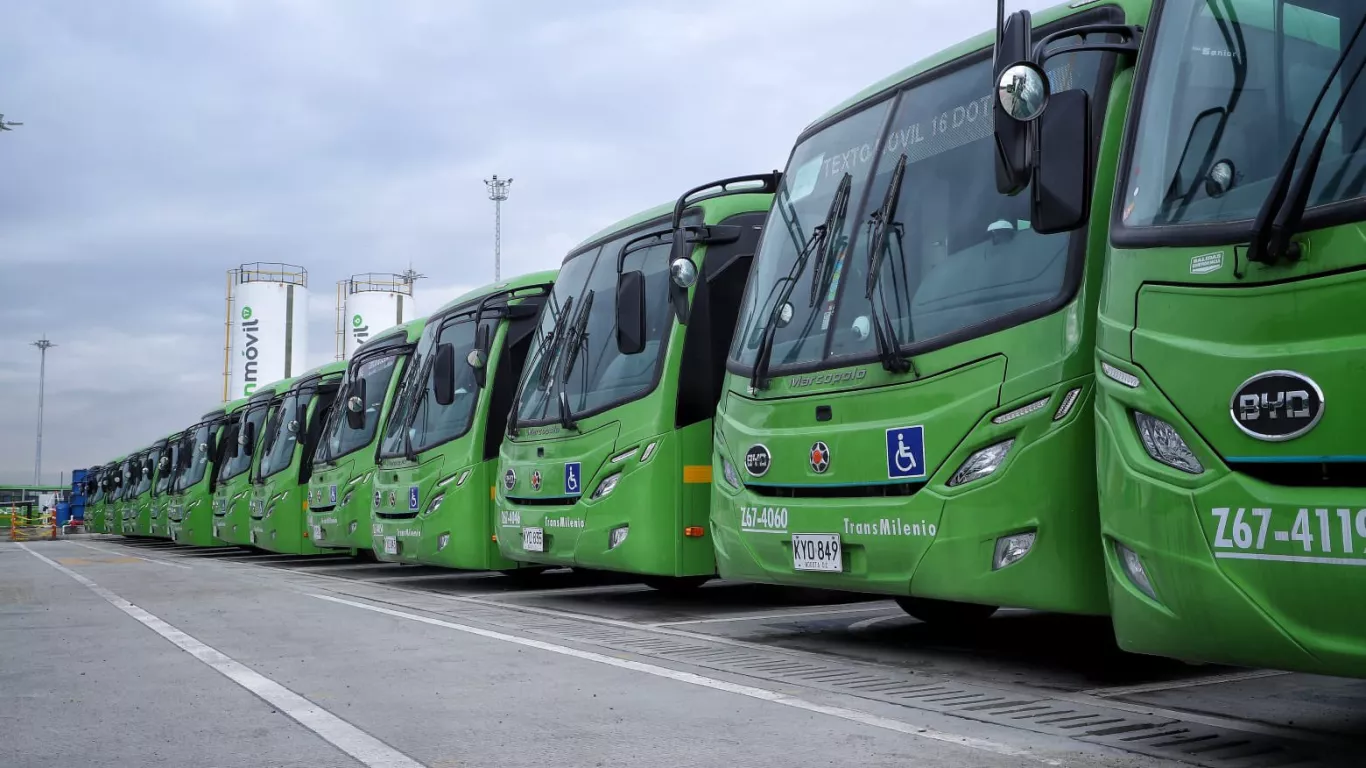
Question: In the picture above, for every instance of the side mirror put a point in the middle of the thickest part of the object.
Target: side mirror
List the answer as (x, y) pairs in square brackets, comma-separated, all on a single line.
[(246, 438), (478, 358), (1062, 178), (355, 405), (1022, 91), (443, 374), (631, 312), (1014, 43), (682, 276), (164, 462)]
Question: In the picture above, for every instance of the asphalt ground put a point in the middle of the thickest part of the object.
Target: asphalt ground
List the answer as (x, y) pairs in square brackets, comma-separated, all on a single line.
[(118, 652)]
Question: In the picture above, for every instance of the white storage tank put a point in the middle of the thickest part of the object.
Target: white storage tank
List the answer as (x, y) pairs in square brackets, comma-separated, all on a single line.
[(372, 303), (267, 325)]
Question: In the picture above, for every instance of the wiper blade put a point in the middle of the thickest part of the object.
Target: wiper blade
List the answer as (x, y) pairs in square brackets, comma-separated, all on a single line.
[(820, 234), (577, 338), (542, 354), (881, 222), (1284, 207), (832, 226)]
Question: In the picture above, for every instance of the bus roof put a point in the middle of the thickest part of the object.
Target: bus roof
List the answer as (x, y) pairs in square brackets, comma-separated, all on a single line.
[(722, 205), (521, 281)]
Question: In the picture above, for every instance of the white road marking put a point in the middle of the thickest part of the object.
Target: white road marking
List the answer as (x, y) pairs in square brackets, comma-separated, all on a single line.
[(138, 557), (348, 738), (794, 614), (763, 694), (1171, 685), (603, 589), (859, 626)]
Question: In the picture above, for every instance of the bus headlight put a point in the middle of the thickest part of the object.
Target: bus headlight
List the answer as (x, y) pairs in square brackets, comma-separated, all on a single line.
[(1133, 568), (442, 541), (608, 485), (1011, 549), (617, 536), (1164, 444), (728, 470), (982, 463)]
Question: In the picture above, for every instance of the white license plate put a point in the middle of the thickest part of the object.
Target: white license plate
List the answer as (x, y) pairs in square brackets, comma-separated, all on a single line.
[(817, 552), (391, 545), (533, 539), (317, 533)]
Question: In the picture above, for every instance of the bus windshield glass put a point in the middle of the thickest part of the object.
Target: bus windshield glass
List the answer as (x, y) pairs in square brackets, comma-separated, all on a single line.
[(582, 309), (957, 258), (1225, 96), (149, 462), (410, 388), (197, 444), (432, 423), (284, 431), (239, 462), (165, 475), (339, 439)]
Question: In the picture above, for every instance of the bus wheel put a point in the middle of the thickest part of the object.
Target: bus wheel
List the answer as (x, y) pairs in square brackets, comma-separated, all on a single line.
[(945, 613), (524, 575), (675, 585)]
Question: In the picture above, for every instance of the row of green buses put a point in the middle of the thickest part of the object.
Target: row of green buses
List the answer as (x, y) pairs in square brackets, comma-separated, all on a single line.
[(1047, 320)]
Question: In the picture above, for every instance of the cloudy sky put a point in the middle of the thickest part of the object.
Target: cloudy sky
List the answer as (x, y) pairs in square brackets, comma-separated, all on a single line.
[(166, 141)]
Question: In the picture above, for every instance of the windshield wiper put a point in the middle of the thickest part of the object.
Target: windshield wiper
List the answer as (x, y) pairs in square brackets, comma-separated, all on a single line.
[(880, 223), (833, 225), (543, 353), (1284, 207), (572, 346), (820, 235)]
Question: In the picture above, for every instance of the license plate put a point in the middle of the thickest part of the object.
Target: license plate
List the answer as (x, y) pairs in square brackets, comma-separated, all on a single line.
[(391, 545), (317, 532), (817, 552), (533, 539)]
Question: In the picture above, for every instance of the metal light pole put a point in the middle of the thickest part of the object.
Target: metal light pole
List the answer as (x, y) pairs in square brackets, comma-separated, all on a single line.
[(43, 346), (498, 192)]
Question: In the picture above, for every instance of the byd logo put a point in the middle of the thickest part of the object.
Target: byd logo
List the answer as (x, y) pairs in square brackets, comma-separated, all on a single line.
[(250, 330)]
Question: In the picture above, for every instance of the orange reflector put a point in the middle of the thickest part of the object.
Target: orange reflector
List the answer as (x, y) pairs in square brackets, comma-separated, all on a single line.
[(697, 473), (495, 537), (493, 493), (694, 531)]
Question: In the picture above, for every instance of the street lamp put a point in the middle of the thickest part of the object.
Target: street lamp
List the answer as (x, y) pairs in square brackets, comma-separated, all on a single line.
[(498, 192), (43, 346)]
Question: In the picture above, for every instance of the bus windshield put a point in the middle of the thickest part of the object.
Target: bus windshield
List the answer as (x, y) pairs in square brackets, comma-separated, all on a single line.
[(1228, 96), (339, 439), (172, 467), (284, 431), (239, 462), (582, 308), (197, 444), (957, 258), (149, 463), (414, 382)]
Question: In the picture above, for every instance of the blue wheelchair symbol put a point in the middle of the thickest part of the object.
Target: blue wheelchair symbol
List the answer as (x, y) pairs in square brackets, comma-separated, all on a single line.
[(412, 497), (572, 472), (906, 453), (332, 493)]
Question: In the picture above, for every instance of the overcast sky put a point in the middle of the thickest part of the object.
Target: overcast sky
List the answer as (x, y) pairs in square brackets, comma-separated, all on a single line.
[(166, 141)]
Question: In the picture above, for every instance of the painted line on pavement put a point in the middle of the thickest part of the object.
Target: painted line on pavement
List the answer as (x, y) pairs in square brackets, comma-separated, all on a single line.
[(763, 694), (360, 745), (136, 557)]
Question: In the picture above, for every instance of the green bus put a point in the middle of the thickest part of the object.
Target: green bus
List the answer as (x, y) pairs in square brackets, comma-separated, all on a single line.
[(138, 510), (1233, 520), (232, 485), (607, 461), (96, 497), (338, 502), (202, 451), (167, 467), (907, 406), (280, 479), (114, 484), (433, 488)]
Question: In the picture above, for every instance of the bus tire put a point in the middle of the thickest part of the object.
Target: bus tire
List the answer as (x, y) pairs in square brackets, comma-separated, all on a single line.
[(946, 613), (675, 585)]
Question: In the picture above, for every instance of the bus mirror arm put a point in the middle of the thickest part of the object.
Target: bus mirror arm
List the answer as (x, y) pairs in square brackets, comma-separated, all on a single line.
[(1061, 195)]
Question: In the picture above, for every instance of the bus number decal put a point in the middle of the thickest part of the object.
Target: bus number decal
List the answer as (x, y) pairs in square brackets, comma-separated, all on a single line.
[(510, 518), (1319, 535), (763, 519)]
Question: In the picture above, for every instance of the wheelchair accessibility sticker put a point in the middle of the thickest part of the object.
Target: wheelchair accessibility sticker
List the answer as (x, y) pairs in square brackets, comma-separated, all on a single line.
[(906, 453), (572, 475)]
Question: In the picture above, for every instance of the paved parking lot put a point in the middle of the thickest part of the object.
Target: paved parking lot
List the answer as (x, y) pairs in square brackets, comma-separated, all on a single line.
[(117, 652)]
